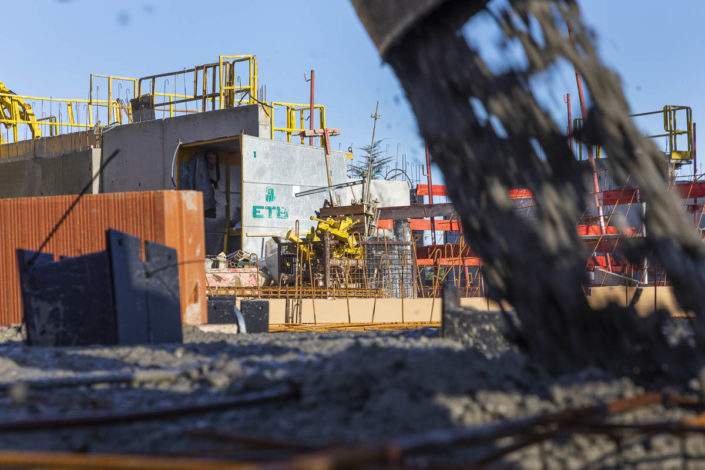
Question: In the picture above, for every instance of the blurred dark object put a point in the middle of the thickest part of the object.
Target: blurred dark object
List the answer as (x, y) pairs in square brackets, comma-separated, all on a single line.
[(488, 135)]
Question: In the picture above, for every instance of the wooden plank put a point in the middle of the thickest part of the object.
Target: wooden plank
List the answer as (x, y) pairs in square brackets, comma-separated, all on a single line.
[(356, 209), (417, 211), (441, 225)]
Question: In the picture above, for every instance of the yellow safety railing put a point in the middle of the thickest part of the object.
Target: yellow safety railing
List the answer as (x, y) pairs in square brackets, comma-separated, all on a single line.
[(212, 86), (166, 101), (115, 112), (673, 117), (295, 115), (228, 88), (217, 85), (64, 116)]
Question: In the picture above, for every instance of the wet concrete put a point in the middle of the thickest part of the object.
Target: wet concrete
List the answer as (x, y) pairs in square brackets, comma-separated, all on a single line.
[(353, 387)]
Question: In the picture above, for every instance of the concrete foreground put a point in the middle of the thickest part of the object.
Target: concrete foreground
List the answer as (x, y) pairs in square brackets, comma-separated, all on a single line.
[(353, 387)]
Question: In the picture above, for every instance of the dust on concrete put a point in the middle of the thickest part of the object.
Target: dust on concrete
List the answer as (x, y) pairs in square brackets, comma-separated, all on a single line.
[(353, 387)]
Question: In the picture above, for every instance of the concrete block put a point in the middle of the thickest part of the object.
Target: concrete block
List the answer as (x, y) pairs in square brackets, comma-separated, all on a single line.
[(163, 303), (71, 302), (142, 109), (227, 329), (481, 329), (220, 310), (129, 280), (24, 257), (256, 314)]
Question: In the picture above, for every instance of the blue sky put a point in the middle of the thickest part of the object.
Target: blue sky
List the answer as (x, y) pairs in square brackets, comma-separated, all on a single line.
[(51, 47)]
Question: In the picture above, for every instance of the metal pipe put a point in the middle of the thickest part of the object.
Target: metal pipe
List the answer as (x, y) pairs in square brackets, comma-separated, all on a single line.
[(87, 461), (93, 418), (310, 139), (695, 156), (570, 122), (327, 188), (366, 194), (430, 194), (695, 179)]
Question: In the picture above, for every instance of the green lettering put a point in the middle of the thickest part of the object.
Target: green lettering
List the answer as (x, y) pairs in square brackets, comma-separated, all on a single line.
[(256, 212)]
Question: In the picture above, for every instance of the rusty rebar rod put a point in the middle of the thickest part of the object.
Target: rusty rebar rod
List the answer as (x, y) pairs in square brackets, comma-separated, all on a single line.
[(39, 423), (33, 459)]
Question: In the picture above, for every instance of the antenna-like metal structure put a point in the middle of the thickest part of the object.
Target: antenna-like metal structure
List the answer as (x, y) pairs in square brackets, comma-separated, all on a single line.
[(368, 174)]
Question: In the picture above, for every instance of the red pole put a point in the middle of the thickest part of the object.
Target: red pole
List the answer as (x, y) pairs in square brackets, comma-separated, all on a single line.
[(570, 122), (591, 157), (310, 139), (695, 156), (461, 245), (430, 193), (695, 176)]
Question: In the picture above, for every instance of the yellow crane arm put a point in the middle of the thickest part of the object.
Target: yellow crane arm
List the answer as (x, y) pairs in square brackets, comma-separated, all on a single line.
[(15, 111)]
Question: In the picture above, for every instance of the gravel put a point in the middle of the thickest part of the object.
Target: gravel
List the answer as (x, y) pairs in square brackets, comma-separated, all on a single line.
[(353, 387)]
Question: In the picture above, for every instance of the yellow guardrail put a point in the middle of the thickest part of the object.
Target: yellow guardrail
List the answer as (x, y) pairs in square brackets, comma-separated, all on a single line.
[(228, 89), (217, 85), (295, 114), (212, 86), (673, 117), (64, 117)]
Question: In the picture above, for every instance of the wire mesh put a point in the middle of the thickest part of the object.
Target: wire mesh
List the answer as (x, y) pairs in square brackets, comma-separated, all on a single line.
[(381, 268)]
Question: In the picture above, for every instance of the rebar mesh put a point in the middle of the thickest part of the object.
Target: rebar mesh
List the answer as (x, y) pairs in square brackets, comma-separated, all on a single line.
[(384, 269)]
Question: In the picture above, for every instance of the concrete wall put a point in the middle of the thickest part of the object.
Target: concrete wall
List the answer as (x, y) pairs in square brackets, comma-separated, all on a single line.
[(147, 148), (272, 173), (387, 193), (650, 298), (425, 309), (358, 311), (46, 147), (55, 176)]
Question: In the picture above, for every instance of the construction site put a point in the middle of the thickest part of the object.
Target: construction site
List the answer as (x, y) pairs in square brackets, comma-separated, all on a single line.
[(198, 275)]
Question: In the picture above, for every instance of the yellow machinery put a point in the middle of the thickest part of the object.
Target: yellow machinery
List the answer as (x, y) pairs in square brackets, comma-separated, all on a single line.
[(345, 246), (64, 115), (15, 111)]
